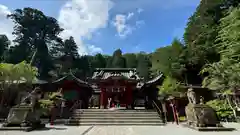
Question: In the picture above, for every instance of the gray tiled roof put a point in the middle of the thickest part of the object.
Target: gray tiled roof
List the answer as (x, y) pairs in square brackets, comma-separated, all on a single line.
[(128, 73), (155, 79), (71, 77)]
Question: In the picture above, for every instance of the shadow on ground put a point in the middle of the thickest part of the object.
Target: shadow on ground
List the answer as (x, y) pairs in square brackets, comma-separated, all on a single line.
[(50, 128)]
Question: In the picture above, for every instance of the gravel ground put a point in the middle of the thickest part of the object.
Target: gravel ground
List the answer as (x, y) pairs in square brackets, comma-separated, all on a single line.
[(169, 129)]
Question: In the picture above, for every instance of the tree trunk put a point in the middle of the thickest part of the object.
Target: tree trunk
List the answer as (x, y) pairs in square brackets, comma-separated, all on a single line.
[(2, 97), (33, 57), (229, 102), (1, 105)]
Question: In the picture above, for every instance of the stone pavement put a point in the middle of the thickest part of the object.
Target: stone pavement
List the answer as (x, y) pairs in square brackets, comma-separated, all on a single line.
[(169, 129)]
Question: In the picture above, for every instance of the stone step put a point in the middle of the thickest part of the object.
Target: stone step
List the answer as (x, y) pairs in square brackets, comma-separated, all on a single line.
[(121, 117), (116, 115), (116, 110), (118, 120), (81, 111), (115, 124)]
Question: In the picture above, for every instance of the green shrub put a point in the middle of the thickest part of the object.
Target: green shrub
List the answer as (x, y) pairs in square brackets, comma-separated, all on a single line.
[(169, 86), (45, 106), (222, 109)]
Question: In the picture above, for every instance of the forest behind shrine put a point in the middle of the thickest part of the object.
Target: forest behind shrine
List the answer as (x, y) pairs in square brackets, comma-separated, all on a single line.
[(208, 55)]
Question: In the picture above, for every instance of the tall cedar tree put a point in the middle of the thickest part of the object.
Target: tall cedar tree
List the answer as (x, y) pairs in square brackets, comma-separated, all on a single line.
[(131, 60), (4, 44), (34, 31), (118, 61), (143, 66)]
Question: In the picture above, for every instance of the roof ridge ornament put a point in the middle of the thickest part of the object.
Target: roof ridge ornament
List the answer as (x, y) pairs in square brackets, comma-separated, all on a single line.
[(100, 73)]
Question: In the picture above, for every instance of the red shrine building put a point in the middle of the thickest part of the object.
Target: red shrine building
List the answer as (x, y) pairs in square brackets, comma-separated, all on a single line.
[(115, 84), (122, 85)]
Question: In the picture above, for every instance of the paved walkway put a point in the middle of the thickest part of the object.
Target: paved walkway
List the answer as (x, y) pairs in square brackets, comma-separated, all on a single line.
[(169, 129)]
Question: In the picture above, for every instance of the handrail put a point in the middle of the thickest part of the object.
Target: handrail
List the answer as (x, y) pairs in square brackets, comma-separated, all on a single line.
[(158, 110), (78, 102), (155, 104)]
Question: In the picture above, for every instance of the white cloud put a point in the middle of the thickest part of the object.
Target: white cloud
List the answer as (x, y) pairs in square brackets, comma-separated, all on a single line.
[(122, 28), (80, 18), (94, 50), (130, 15), (6, 25), (121, 23)]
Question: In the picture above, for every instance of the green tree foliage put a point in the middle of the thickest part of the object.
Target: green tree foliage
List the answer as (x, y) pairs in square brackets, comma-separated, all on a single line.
[(226, 72), (169, 86), (17, 73), (169, 60), (109, 62), (70, 48), (117, 61), (229, 35), (14, 74), (222, 109), (98, 61), (143, 66), (66, 53), (131, 60), (200, 36), (212, 31), (4, 44), (224, 75), (84, 66), (201, 32), (33, 31)]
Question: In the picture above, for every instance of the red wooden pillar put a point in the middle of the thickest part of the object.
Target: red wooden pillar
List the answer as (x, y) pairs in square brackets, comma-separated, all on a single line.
[(102, 96), (105, 98), (175, 116), (129, 96)]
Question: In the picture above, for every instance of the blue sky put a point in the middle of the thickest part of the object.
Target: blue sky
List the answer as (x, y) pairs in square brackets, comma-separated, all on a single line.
[(106, 25)]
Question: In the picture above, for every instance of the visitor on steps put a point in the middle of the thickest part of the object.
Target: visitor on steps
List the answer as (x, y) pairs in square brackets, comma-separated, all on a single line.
[(109, 102), (53, 114), (174, 110), (113, 105)]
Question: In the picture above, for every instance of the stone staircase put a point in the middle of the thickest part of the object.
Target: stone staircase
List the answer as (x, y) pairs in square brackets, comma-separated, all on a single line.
[(114, 117)]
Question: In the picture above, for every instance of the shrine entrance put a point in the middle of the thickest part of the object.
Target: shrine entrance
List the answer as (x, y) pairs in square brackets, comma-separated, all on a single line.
[(120, 96), (117, 84), (117, 99), (74, 90)]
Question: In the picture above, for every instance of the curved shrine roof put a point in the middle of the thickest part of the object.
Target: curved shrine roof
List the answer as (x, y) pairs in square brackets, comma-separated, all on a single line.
[(70, 76), (106, 73)]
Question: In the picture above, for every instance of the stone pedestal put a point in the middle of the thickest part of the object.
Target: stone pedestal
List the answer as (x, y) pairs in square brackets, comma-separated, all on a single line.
[(24, 118), (202, 117)]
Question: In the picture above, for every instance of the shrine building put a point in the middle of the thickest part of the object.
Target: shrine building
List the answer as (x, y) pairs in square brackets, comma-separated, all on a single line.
[(122, 85)]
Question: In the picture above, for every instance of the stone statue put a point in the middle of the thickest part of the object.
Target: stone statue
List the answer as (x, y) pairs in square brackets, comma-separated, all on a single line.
[(26, 115), (201, 100), (200, 115), (32, 99), (191, 96)]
